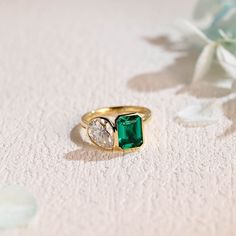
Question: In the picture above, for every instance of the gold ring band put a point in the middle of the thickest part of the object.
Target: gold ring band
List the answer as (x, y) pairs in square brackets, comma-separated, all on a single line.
[(116, 128)]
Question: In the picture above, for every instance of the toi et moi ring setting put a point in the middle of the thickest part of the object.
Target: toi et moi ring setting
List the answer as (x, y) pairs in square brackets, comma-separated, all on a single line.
[(116, 128)]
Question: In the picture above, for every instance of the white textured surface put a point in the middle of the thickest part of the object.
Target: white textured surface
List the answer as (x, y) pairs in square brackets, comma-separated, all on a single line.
[(59, 59)]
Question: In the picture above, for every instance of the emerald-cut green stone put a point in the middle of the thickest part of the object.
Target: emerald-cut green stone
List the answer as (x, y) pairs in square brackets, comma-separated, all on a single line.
[(130, 134)]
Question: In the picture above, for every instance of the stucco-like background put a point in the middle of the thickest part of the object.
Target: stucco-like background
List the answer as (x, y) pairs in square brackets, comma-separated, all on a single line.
[(59, 59)]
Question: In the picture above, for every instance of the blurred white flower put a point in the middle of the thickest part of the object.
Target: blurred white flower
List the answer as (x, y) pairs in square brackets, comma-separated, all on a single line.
[(17, 207), (213, 9), (213, 50), (200, 114), (218, 40)]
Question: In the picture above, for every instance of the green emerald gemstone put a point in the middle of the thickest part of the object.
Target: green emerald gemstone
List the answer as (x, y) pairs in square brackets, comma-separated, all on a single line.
[(130, 134)]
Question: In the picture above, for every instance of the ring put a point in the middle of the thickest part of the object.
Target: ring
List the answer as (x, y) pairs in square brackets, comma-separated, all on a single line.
[(116, 128)]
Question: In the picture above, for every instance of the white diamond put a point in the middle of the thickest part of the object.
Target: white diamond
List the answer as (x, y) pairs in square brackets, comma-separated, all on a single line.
[(101, 132)]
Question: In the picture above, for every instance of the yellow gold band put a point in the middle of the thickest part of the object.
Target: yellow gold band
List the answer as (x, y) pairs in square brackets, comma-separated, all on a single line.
[(144, 112)]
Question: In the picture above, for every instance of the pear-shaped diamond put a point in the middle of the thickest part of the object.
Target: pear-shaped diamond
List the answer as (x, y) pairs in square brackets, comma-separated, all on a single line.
[(101, 133)]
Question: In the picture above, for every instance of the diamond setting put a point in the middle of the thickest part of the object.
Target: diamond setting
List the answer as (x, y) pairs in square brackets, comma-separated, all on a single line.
[(101, 133)]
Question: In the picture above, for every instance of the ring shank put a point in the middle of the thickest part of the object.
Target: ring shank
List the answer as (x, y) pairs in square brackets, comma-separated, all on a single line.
[(114, 111)]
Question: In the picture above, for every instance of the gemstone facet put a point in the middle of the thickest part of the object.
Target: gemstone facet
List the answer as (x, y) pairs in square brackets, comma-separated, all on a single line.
[(101, 133), (130, 133)]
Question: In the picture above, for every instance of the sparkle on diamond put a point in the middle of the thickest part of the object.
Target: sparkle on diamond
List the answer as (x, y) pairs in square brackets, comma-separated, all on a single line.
[(101, 133)]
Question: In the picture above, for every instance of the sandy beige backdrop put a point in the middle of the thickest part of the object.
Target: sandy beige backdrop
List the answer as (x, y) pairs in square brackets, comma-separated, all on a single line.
[(59, 59)]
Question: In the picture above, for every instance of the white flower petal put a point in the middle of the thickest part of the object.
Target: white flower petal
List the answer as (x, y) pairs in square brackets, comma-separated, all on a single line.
[(228, 20), (224, 83), (201, 114), (205, 7), (17, 207), (227, 60), (233, 85), (224, 35), (196, 32), (204, 62)]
